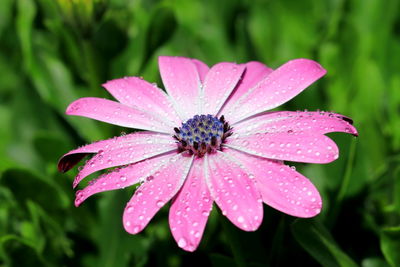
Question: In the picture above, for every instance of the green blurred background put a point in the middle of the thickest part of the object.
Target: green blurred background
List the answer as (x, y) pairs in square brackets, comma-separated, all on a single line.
[(55, 51)]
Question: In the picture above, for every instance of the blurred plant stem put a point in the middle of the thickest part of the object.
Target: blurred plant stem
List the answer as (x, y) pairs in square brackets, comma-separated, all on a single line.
[(92, 76), (233, 241), (344, 184)]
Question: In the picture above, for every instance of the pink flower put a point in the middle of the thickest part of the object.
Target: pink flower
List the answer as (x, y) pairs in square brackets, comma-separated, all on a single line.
[(208, 139)]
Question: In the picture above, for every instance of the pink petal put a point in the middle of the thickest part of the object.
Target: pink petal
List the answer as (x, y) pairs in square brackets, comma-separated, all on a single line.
[(115, 113), (219, 84), (122, 177), (311, 148), (277, 88), (70, 159), (155, 192), (234, 191), (254, 73), (136, 92), (287, 121), (125, 153), (182, 82), (190, 209), (281, 187), (202, 68)]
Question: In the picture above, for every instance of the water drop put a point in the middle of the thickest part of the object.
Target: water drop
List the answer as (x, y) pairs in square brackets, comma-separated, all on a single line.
[(136, 229), (182, 242), (205, 213), (159, 203), (271, 144)]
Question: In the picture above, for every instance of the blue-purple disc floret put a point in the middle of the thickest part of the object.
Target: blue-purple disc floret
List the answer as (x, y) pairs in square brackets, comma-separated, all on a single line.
[(202, 133)]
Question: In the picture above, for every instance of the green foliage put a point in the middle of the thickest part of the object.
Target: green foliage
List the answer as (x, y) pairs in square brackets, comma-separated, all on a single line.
[(390, 245), (315, 238), (53, 52)]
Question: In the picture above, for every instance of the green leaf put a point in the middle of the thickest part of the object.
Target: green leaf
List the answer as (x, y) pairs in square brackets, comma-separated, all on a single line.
[(162, 27), (5, 14), (25, 16), (50, 146), (6, 135), (53, 236), (115, 244), (374, 262), (390, 245), (26, 186), (18, 251), (318, 242), (50, 76)]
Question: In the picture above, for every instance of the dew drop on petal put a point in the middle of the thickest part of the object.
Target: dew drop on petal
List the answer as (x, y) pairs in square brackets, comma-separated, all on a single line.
[(136, 229), (182, 242), (159, 203), (245, 143)]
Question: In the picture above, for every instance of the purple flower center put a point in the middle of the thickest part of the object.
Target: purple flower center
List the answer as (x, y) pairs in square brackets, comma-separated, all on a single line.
[(202, 134)]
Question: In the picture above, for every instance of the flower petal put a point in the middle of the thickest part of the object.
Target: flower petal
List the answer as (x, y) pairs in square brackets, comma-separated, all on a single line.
[(281, 187), (190, 209), (310, 148), (122, 177), (287, 121), (254, 73), (70, 159), (155, 192), (202, 68), (118, 114), (125, 153), (277, 88), (182, 82), (234, 191), (136, 92), (219, 84)]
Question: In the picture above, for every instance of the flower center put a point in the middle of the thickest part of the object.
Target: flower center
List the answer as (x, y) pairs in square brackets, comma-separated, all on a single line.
[(202, 134)]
